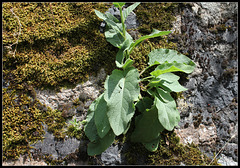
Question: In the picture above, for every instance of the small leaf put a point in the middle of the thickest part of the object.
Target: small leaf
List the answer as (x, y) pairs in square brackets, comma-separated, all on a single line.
[(111, 17), (115, 38), (173, 67), (127, 63), (115, 26), (172, 87), (96, 148), (169, 77), (155, 33), (160, 56), (167, 81), (121, 53), (119, 4), (168, 114), (129, 9)]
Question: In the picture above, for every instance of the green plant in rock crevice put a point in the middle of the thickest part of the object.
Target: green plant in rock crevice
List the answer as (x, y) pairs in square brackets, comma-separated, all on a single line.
[(111, 113)]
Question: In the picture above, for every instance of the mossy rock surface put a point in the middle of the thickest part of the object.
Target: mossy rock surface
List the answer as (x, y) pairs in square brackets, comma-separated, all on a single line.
[(60, 43)]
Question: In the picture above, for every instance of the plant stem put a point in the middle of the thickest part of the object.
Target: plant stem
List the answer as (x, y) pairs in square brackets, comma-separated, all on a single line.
[(124, 31), (149, 77), (146, 69)]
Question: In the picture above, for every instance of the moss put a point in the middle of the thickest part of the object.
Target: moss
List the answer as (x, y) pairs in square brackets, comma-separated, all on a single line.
[(155, 16), (59, 43), (171, 152), (21, 123), (72, 131), (23, 116)]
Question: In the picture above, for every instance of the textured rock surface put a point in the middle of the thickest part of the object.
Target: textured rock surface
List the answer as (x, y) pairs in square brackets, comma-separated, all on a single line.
[(210, 39)]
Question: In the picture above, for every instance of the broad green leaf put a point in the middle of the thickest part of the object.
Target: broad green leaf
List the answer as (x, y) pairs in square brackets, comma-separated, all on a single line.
[(122, 90), (153, 145), (173, 67), (160, 56), (169, 77), (147, 126), (172, 87), (111, 17), (155, 33), (100, 117), (119, 4), (115, 38), (168, 114), (129, 9), (145, 103), (167, 81), (96, 148)]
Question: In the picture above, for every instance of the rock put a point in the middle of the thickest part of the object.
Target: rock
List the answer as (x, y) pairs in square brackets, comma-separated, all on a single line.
[(57, 149), (24, 161), (66, 147), (111, 156), (203, 135), (226, 161)]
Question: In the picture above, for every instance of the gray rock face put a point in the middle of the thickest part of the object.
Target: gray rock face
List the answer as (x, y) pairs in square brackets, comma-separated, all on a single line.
[(57, 149), (211, 41), (63, 101), (111, 156)]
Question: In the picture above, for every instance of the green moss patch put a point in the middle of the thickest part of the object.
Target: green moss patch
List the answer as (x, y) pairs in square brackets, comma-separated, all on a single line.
[(59, 43), (169, 152), (155, 16)]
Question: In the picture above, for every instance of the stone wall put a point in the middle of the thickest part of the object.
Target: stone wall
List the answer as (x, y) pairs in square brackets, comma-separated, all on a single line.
[(207, 33)]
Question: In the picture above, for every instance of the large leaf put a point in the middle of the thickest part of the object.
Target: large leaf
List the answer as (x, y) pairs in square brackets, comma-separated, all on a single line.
[(147, 126), (100, 117), (168, 114), (160, 56), (122, 90), (90, 128), (173, 67), (96, 148), (129, 9), (155, 33)]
